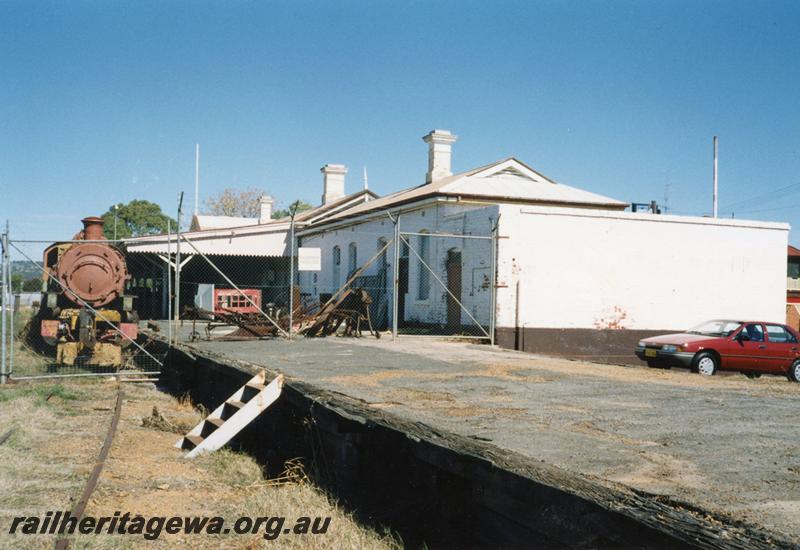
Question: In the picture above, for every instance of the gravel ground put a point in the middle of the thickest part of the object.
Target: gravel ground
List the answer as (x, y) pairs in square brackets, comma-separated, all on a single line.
[(727, 443)]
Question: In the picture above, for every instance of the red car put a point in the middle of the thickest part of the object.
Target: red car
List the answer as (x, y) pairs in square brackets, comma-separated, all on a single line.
[(751, 347)]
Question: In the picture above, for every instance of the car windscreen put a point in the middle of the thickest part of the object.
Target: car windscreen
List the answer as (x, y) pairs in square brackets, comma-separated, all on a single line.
[(715, 328)]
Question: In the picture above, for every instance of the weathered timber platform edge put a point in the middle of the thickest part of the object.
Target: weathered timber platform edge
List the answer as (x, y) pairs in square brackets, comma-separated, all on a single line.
[(446, 489)]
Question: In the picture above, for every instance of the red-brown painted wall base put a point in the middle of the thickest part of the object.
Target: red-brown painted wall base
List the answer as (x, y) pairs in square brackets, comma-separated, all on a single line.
[(604, 346)]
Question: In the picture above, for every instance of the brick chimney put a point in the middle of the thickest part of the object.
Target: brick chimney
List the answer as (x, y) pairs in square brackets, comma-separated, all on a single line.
[(333, 179), (265, 211), (440, 144)]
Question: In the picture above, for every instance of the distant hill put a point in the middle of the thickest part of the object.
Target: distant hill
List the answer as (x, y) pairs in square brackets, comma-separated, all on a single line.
[(27, 269)]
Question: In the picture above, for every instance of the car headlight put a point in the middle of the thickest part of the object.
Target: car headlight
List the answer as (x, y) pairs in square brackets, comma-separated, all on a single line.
[(642, 344), (669, 347)]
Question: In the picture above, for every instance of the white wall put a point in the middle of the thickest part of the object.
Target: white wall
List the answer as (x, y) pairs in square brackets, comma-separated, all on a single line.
[(444, 217), (594, 269)]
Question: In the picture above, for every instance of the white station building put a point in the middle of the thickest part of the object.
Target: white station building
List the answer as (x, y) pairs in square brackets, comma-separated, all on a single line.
[(576, 273)]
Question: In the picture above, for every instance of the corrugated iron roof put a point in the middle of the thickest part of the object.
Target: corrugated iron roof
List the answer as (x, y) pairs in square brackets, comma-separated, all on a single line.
[(502, 181), (202, 222), (265, 240)]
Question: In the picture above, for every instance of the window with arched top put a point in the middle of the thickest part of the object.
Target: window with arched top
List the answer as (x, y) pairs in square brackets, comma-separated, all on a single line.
[(352, 259), (337, 262), (424, 273)]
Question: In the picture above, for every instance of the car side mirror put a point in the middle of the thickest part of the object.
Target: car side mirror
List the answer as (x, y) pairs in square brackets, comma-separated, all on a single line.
[(743, 337)]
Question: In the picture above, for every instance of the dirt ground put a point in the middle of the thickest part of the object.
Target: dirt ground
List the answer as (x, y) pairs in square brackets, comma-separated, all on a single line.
[(59, 429), (727, 444)]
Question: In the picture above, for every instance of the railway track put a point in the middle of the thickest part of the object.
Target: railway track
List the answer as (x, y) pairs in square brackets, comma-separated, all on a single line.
[(62, 543)]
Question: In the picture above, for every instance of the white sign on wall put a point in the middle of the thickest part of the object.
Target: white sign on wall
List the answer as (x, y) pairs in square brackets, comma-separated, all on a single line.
[(309, 258)]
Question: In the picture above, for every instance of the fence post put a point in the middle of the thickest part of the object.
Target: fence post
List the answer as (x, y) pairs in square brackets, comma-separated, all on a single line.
[(178, 268), (395, 276), (291, 274), (493, 286), (4, 293), (169, 281), (10, 364)]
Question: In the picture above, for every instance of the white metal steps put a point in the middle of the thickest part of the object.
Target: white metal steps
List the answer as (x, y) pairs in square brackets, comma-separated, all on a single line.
[(235, 413)]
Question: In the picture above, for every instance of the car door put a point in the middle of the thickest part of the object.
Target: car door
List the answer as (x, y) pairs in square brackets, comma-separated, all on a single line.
[(744, 349), (782, 349)]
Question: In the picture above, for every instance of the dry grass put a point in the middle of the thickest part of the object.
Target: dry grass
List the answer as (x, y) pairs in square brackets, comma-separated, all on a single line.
[(57, 433), (59, 429)]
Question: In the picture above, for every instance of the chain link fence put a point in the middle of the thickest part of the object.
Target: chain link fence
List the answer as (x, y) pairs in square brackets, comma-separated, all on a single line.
[(445, 285), (60, 319), (233, 297), (69, 310)]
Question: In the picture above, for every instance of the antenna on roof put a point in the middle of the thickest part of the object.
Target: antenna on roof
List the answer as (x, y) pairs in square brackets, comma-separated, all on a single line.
[(196, 178), (715, 177), (366, 180)]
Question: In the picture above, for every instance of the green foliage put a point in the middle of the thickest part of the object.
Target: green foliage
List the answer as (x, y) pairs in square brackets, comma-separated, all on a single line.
[(296, 206), (32, 285), (135, 219), (43, 393), (16, 282), (19, 283)]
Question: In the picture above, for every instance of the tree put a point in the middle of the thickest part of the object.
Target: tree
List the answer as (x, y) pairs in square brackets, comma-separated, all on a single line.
[(16, 282), (296, 206), (32, 285), (135, 219), (235, 202)]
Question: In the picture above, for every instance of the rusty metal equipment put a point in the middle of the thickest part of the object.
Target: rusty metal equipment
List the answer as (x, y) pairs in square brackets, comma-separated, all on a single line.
[(84, 312), (245, 326), (350, 309), (348, 312)]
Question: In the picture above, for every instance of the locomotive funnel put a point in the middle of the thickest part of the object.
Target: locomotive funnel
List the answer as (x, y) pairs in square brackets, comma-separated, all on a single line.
[(93, 228)]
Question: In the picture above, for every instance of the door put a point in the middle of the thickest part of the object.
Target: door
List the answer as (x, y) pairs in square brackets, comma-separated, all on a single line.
[(402, 284), (782, 349), (454, 289), (745, 349)]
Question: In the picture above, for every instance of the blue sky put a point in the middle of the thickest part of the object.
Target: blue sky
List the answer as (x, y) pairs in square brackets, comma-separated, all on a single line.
[(102, 102)]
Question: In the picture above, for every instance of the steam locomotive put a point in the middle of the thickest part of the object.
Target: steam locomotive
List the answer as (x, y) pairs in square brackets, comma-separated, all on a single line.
[(84, 311)]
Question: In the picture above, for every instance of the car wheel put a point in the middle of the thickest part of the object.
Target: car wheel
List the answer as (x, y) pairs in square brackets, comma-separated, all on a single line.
[(794, 371), (705, 363)]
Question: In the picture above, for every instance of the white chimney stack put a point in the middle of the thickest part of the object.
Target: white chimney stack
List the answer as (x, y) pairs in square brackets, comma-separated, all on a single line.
[(265, 213), (333, 178), (439, 154)]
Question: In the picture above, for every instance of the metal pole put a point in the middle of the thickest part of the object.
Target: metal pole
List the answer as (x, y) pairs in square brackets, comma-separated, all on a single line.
[(4, 293), (116, 208), (291, 275), (10, 364), (493, 286), (395, 276), (169, 281), (715, 176), (196, 179), (177, 308)]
